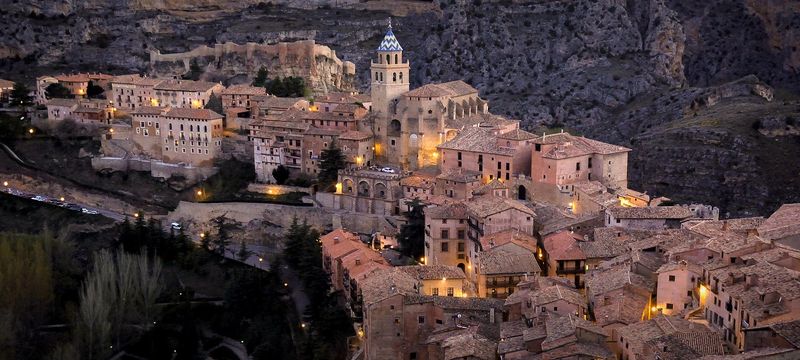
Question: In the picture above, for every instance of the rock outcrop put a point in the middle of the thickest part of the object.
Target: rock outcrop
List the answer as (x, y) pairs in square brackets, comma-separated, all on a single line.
[(318, 64)]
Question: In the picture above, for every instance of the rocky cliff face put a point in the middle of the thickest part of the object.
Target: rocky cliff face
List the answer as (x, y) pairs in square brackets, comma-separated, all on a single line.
[(666, 77), (318, 64)]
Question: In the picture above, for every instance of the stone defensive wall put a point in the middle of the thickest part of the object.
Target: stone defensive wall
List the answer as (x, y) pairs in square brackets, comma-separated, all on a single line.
[(318, 64)]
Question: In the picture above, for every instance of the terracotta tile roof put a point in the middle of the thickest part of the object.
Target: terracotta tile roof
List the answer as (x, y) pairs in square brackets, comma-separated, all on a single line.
[(686, 345), (347, 108), (650, 212), (789, 331), (780, 284), (508, 236), (453, 88), (761, 354), (73, 77), (363, 262), (557, 292), (284, 103), (639, 333), (782, 223), (484, 206), (88, 110), (149, 110), (563, 245), (184, 85), (460, 175), (433, 272), (516, 134), (485, 120), (355, 135), (600, 282), (509, 258), (511, 337), (313, 130), (476, 139), (569, 143), (342, 98), (561, 330), (418, 181), (469, 346), (456, 303), (388, 282), (340, 242), (187, 113), (626, 309), (132, 79), (62, 102), (244, 89), (5, 84)]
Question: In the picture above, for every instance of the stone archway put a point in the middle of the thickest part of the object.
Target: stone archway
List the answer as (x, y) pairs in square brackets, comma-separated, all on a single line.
[(462, 267), (522, 193), (347, 186), (380, 191), (394, 128), (364, 189)]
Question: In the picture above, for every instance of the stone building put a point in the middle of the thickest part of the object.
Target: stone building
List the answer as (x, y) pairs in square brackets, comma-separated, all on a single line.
[(42, 82), (500, 268), (410, 124), (130, 92), (563, 257), (399, 320), (5, 89), (178, 136), (184, 93), (368, 191), (240, 96), (457, 183)]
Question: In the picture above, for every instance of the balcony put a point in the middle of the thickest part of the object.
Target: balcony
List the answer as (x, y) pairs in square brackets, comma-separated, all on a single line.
[(570, 270)]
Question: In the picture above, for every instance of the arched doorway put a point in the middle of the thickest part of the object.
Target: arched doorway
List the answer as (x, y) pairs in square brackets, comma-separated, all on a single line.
[(462, 267), (522, 193)]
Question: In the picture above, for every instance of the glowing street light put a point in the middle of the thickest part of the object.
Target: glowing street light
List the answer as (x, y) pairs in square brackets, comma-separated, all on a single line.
[(199, 192), (30, 131), (5, 183), (285, 284), (61, 198)]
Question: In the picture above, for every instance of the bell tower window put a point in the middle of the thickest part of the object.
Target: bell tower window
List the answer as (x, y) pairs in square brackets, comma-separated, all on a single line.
[(394, 77), (388, 59), (395, 59)]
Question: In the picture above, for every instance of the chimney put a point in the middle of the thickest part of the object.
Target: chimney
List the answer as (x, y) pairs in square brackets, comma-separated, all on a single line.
[(336, 240)]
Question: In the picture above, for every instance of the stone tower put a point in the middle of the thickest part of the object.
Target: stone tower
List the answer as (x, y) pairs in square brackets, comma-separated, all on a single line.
[(390, 77)]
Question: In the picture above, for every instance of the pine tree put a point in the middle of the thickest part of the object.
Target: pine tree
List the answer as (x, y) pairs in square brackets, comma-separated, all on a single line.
[(222, 240), (277, 87), (331, 161), (243, 253), (57, 90), (20, 95), (262, 77), (214, 104), (194, 71), (412, 233), (281, 174)]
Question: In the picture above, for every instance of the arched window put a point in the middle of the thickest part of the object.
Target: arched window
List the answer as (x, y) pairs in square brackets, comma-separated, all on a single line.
[(205, 128), (401, 78), (388, 59), (376, 76), (395, 59), (381, 74), (191, 128), (394, 77)]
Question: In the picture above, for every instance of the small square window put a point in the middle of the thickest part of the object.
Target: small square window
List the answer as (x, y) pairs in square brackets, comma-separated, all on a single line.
[(421, 319), (672, 278), (669, 306)]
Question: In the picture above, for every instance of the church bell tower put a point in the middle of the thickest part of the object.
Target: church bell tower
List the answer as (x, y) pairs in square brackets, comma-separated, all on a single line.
[(389, 74)]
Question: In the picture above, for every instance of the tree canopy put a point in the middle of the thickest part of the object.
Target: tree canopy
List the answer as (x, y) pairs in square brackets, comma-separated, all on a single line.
[(215, 104), (94, 91), (20, 95), (330, 162), (194, 71), (281, 174), (57, 90), (412, 233), (261, 77)]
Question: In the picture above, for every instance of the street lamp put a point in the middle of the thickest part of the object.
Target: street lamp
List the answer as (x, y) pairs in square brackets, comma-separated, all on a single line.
[(199, 192), (30, 131), (5, 183), (61, 198)]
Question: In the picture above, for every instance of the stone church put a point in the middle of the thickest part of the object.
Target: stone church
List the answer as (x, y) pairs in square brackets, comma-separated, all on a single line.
[(411, 123)]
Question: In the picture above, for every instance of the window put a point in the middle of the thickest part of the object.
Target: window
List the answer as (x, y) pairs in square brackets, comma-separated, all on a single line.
[(499, 165), (421, 319), (445, 246), (413, 355), (669, 306), (689, 293), (460, 246), (555, 308), (590, 163), (435, 291), (538, 147), (396, 320), (672, 278), (460, 234), (578, 166), (449, 291), (445, 234)]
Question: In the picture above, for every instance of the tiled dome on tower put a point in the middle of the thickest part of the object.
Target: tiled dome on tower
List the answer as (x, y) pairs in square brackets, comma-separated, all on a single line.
[(390, 42)]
